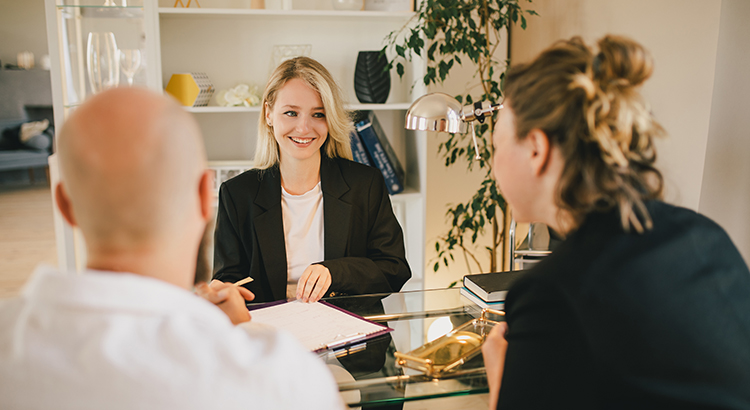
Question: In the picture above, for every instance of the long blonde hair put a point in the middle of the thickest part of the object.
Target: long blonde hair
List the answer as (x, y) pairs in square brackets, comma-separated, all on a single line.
[(589, 107), (313, 73)]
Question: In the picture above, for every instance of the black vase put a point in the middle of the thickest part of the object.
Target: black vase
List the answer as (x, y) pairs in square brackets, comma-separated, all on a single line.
[(372, 82)]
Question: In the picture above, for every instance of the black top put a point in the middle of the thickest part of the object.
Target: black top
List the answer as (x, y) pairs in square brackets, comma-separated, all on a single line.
[(625, 320), (364, 244)]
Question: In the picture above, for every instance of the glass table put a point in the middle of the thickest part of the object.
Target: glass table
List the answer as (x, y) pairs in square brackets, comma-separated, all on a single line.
[(367, 373)]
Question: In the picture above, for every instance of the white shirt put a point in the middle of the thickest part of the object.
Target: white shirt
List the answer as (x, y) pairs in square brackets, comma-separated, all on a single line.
[(105, 340), (303, 231)]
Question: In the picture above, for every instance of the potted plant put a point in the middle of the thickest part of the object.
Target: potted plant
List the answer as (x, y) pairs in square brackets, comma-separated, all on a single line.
[(448, 33)]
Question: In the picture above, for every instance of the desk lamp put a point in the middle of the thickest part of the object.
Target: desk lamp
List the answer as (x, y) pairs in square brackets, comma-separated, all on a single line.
[(443, 113)]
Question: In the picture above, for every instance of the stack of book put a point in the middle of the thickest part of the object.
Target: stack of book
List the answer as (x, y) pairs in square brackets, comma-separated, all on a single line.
[(488, 290), (370, 146)]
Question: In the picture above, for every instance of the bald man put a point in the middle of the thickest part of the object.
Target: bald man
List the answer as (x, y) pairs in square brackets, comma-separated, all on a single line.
[(128, 333)]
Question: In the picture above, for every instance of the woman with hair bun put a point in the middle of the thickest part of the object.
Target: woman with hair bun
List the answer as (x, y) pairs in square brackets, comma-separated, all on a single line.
[(644, 304), (307, 222)]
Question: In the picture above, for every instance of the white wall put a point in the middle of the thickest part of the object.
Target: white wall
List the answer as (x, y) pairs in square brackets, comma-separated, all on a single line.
[(682, 35), (22, 28), (725, 196)]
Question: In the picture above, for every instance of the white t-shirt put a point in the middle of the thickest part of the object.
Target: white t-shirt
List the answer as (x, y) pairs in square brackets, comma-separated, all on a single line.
[(303, 232), (105, 340)]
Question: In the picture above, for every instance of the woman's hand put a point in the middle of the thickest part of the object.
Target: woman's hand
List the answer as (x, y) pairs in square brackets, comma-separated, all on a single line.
[(493, 350), (314, 283), (229, 298)]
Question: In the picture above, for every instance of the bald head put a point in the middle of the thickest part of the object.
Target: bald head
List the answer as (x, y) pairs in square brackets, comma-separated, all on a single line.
[(131, 163)]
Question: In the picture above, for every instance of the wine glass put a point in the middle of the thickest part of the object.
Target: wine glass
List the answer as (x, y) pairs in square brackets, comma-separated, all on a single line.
[(130, 62), (109, 3), (101, 61)]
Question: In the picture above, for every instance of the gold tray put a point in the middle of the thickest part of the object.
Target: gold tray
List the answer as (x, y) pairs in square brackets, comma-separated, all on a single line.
[(451, 350)]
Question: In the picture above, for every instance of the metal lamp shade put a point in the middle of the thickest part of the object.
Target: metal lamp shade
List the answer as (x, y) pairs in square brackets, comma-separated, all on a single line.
[(435, 112)]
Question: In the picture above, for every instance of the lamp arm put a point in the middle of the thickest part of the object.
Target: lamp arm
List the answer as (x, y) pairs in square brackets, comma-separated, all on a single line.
[(479, 111)]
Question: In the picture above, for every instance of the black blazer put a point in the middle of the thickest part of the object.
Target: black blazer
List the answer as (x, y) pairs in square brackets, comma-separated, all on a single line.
[(615, 320), (364, 244)]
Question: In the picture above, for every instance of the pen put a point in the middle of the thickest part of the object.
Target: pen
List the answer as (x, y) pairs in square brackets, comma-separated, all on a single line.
[(243, 281), (346, 340)]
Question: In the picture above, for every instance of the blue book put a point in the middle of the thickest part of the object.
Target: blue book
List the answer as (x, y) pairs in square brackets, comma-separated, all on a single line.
[(358, 150), (381, 152)]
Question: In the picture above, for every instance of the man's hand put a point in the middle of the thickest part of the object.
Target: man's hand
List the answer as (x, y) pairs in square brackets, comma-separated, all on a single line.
[(493, 350), (228, 297), (314, 283)]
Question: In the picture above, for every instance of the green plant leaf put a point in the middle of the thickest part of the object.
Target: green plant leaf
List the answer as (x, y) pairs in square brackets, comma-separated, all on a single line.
[(457, 30)]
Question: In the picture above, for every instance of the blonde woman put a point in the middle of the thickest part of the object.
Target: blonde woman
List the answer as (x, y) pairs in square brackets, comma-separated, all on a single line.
[(644, 305), (307, 222)]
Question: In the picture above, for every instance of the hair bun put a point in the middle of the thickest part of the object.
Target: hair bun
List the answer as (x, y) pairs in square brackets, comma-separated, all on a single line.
[(622, 59)]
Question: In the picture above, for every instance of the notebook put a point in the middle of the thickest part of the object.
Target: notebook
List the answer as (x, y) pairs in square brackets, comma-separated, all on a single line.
[(491, 287)]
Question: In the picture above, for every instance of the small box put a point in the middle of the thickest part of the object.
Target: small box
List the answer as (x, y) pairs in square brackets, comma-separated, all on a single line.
[(191, 89)]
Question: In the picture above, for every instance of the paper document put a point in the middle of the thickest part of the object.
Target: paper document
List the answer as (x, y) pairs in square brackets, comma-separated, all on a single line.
[(317, 326)]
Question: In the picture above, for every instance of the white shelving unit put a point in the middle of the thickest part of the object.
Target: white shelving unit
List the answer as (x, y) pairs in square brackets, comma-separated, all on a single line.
[(235, 45)]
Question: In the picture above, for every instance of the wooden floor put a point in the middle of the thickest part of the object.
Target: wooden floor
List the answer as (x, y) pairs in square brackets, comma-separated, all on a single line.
[(27, 235)]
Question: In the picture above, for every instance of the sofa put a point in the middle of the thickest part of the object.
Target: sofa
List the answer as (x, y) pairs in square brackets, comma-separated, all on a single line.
[(29, 154), (25, 97)]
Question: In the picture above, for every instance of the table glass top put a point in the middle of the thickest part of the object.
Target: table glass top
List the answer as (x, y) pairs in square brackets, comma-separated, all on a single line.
[(367, 373)]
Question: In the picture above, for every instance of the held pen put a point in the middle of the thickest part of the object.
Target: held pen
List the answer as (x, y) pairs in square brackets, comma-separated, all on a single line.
[(243, 281)]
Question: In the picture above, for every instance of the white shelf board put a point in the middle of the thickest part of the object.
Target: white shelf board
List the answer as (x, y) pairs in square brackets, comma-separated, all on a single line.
[(351, 107), (169, 12)]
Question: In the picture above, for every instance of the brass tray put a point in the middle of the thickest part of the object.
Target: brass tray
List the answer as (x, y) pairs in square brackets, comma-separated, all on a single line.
[(451, 350)]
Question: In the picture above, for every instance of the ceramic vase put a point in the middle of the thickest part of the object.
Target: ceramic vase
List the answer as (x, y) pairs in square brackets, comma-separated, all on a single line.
[(372, 82)]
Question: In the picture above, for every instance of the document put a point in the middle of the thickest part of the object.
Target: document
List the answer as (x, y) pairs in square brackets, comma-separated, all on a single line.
[(318, 326)]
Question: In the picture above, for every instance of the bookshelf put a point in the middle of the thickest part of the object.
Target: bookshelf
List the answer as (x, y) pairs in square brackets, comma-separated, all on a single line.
[(233, 44)]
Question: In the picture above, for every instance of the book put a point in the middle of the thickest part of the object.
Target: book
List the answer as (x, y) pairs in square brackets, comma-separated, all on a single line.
[(491, 287), (381, 152), (358, 150), (479, 302), (318, 326)]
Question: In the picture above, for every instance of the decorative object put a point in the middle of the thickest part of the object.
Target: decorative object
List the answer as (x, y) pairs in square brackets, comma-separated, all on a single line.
[(348, 4), (188, 3), (101, 61), (446, 353), (389, 5), (282, 53), (372, 78), (278, 4), (130, 62), (25, 60), (257, 4), (44, 62), (191, 89), (242, 95), (446, 34)]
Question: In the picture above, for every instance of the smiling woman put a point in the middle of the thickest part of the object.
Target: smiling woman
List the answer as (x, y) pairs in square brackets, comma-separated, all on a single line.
[(307, 222)]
